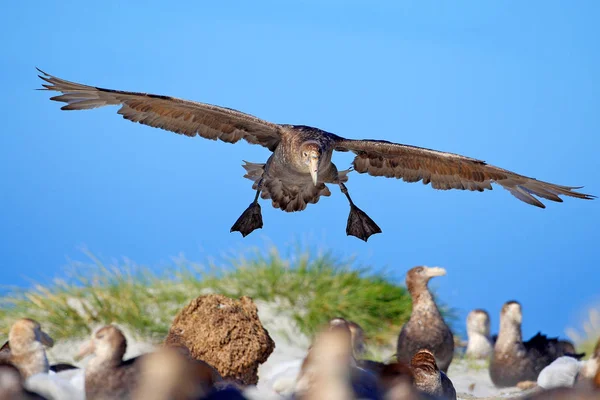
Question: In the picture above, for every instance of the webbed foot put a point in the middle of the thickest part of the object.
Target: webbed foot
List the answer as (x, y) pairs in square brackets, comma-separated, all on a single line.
[(250, 220), (360, 224)]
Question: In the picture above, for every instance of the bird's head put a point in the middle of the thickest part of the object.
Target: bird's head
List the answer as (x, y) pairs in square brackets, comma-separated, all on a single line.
[(417, 278), (26, 335), (478, 321), (511, 311), (310, 153), (107, 343)]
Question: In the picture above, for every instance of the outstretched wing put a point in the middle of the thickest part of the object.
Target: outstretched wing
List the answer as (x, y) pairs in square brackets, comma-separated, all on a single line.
[(447, 170), (186, 117)]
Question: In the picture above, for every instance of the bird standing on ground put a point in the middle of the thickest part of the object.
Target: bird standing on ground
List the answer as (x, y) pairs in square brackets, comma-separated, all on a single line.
[(479, 343), (297, 172), (107, 376), (515, 361), (25, 347), (426, 328)]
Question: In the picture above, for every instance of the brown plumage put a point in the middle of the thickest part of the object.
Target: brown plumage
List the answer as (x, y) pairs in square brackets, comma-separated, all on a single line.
[(107, 375), (300, 166), (426, 328), (428, 378), (564, 394), (515, 361), (357, 336), (25, 347), (397, 382), (169, 374), (326, 371), (58, 367), (12, 384)]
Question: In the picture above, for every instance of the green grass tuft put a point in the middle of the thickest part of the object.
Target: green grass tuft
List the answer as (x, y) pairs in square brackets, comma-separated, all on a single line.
[(310, 288), (586, 341)]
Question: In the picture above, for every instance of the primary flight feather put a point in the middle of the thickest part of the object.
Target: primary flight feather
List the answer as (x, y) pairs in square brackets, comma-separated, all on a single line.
[(300, 166)]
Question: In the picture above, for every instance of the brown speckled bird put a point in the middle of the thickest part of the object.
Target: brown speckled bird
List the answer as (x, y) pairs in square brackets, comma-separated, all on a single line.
[(428, 378), (297, 172), (426, 328)]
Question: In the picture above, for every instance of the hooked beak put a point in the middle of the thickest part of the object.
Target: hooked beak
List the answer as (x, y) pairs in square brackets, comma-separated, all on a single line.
[(314, 169), (46, 339), (435, 271), (87, 349)]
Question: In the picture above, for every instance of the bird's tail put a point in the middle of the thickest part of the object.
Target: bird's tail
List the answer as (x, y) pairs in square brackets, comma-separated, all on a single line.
[(254, 171)]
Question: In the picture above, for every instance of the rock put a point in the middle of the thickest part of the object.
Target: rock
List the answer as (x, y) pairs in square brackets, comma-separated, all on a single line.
[(225, 333)]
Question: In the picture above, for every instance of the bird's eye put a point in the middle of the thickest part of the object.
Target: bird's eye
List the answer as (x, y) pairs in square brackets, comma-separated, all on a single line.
[(305, 154)]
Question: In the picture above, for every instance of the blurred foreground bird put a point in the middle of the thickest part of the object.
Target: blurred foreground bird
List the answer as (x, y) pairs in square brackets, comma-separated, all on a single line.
[(25, 347), (107, 375), (428, 378), (12, 385), (300, 166), (168, 374)]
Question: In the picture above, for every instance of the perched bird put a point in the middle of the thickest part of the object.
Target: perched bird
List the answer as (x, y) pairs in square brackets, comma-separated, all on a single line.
[(25, 347), (426, 328), (479, 343), (513, 360), (297, 172), (107, 376), (58, 367), (428, 378)]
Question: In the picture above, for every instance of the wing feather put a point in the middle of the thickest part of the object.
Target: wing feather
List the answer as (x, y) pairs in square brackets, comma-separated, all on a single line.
[(177, 115), (446, 171)]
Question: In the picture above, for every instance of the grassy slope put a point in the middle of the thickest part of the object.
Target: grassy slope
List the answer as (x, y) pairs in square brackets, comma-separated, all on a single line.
[(310, 288)]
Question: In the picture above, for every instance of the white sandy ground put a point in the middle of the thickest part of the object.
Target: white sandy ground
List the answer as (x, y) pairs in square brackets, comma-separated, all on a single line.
[(276, 376)]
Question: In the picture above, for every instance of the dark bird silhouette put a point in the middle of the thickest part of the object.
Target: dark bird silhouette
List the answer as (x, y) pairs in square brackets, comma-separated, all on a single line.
[(515, 361), (297, 172), (426, 328)]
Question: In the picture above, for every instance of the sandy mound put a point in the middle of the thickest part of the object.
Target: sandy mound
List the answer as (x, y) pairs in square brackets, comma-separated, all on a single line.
[(225, 333)]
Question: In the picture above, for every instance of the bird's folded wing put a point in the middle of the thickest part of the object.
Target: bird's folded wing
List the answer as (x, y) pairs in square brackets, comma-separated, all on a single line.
[(447, 170), (180, 116)]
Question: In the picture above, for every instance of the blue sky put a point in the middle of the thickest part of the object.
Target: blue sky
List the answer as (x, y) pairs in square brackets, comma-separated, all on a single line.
[(512, 83)]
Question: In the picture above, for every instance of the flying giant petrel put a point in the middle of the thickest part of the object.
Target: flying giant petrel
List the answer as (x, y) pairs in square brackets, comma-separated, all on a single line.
[(300, 166)]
